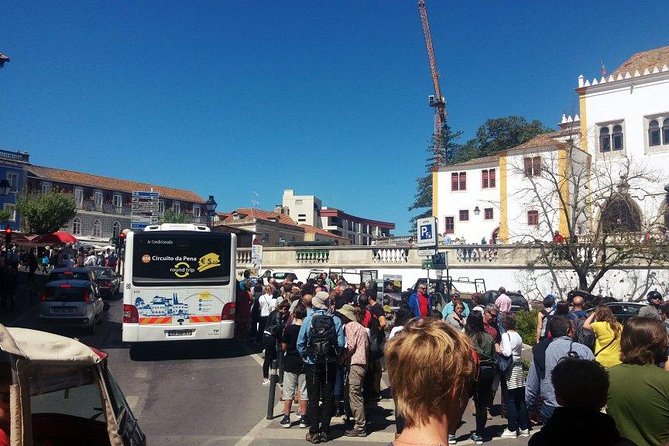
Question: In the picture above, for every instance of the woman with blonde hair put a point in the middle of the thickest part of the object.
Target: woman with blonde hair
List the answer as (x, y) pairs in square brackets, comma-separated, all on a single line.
[(432, 370), (607, 332)]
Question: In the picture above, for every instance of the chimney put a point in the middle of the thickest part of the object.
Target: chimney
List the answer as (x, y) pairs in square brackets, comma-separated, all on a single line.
[(279, 209)]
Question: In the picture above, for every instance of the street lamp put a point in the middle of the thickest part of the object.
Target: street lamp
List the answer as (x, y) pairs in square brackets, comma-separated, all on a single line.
[(3, 60), (210, 208), (477, 211)]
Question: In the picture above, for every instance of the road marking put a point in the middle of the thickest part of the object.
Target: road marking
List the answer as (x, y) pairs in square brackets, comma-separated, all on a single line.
[(132, 402), (141, 372)]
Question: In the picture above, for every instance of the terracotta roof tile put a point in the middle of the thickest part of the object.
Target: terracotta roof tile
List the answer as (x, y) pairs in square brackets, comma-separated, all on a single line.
[(545, 139), (115, 184), (320, 231), (266, 215), (473, 161), (650, 59)]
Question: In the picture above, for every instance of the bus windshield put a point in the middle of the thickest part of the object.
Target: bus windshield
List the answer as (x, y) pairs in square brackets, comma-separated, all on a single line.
[(180, 259)]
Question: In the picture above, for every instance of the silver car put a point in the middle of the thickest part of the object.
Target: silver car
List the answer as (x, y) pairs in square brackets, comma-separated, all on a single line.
[(71, 303)]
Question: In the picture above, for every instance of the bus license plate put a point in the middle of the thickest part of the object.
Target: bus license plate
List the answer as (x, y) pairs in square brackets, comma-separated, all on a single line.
[(179, 333)]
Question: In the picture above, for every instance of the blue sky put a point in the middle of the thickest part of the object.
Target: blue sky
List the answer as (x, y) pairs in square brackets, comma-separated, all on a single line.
[(327, 98)]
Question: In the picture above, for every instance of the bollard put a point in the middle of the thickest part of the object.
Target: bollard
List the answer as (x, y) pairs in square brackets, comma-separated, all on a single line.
[(281, 359), (273, 379)]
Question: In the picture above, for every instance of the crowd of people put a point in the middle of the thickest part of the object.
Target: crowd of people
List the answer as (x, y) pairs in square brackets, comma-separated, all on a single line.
[(332, 341)]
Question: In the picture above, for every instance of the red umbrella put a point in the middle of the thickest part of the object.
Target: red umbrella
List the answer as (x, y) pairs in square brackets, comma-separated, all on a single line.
[(58, 237)]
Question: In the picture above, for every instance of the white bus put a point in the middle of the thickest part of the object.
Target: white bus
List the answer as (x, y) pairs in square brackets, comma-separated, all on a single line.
[(179, 284)]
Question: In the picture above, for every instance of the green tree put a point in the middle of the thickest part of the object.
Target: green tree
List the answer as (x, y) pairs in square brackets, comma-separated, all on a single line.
[(423, 199), (45, 212), (499, 134), (4, 215), (171, 216)]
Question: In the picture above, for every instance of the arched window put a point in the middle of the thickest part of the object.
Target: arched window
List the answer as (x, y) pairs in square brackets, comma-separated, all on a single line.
[(665, 131), (617, 137), (654, 133), (76, 226), (116, 229), (621, 214), (604, 140), (97, 228)]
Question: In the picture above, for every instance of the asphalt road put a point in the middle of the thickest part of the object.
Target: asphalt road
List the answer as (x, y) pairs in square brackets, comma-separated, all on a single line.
[(207, 393)]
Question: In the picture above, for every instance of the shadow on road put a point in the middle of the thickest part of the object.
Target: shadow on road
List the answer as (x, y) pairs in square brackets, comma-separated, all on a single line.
[(176, 350)]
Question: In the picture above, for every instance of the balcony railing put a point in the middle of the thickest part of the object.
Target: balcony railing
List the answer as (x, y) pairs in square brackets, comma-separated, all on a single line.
[(464, 256)]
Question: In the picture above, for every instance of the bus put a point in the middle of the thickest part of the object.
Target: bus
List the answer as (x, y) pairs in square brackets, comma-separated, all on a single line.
[(179, 284)]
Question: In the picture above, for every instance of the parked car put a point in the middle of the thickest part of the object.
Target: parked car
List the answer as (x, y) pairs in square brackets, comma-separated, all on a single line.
[(107, 281), (71, 302), (518, 301), (62, 392), (622, 311), (70, 274)]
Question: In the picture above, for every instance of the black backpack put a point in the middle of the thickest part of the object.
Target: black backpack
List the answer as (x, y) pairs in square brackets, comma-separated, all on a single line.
[(583, 336), (274, 324), (377, 339), (321, 346)]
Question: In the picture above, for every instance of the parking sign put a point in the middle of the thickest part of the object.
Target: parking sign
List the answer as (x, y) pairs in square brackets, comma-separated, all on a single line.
[(427, 232)]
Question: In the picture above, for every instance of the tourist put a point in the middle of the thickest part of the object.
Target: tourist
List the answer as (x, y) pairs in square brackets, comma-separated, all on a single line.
[(485, 348), (581, 388), (450, 307), (539, 387), (653, 308), (639, 390), (513, 383), (431, 402), (664, 316), (355, 357), (420, 302), (544, 315), (272, 337), (320, 341), (456, 319), (294, 378), (607, 335), (503, 303)]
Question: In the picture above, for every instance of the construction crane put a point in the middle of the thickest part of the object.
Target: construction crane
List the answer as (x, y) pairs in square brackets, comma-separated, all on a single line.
[(3, 60), (437, 100)]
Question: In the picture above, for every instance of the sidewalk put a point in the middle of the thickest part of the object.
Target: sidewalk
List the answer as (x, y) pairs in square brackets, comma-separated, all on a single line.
[(381, 427)]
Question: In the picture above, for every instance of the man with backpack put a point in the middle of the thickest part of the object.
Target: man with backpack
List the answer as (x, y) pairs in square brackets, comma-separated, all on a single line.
[(319, 343), (538, 388)]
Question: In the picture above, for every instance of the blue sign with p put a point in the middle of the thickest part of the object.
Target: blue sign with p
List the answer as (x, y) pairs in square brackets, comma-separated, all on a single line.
[(426, 232)]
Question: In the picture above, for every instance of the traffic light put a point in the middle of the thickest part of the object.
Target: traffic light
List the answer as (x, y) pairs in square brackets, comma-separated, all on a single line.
[(121, 240), (8, 237)]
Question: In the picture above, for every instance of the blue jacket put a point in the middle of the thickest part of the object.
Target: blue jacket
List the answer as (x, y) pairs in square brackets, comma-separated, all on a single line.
[(303, 336), (413, 304), (557, 349)]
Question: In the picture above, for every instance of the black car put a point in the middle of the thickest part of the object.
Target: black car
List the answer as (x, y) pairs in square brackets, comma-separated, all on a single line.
[(622, 311), (107, 280), (518, 301)]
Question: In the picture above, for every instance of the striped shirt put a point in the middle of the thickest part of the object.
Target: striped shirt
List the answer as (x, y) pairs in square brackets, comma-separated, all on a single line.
[(512, 345)]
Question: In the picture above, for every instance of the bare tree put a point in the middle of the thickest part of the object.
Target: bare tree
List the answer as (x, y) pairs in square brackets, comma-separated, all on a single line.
[(589, 216)]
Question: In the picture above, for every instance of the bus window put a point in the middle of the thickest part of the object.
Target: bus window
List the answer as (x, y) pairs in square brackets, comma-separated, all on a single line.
[(188, 259)]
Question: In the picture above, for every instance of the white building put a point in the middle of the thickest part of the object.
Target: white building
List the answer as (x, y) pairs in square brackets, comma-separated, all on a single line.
[(304, 209), (308, 210), (624, 121), (626, 116)]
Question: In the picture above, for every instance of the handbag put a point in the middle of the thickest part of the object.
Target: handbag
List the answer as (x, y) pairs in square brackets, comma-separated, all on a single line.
[(504, 363)]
